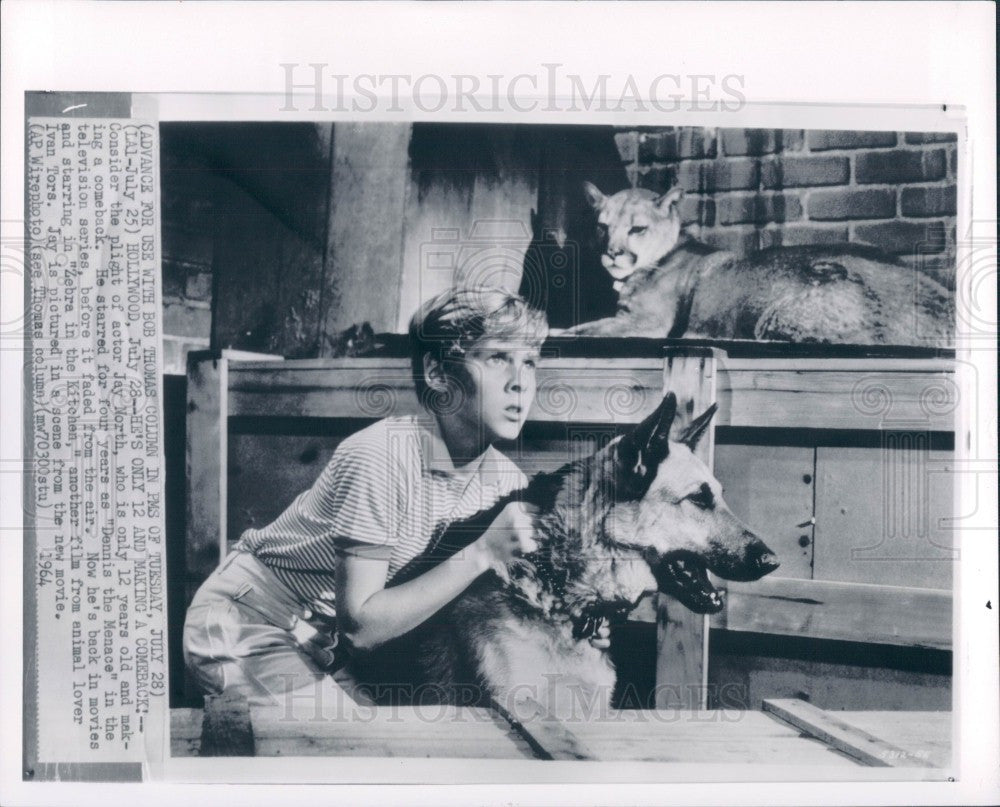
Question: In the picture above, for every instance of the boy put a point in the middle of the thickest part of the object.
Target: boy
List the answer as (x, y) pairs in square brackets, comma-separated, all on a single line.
[(261, 623)]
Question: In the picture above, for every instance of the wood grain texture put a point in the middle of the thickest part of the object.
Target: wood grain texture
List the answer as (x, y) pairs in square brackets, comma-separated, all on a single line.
[(396, 731), (926, 735), (472, 189), (226, 729), (770, 489), (271, 219), (364, 238), (569, 390), (838, 393), (845, 737), (207, 464), (769, 393), (682, 635), (716, 737), (882, 514), (548, 736), (857, 612), (745, 673)]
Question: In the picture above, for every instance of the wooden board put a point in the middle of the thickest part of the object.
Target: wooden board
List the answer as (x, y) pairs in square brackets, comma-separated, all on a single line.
[(770, 489), (838, 733), (714, 737), (468, 211), (682, 635), (717, 737), (881, 514), (548, 736), (926, 735), (207, 464), (185, 732), (270, 233), (403, 731), (747, 669), (854, 612), (525, 730), (368, 185), (836, 393), (580, 390), (763, 393)]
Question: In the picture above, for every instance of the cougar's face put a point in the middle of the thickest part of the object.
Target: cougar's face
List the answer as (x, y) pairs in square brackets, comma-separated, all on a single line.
[(635, 228)]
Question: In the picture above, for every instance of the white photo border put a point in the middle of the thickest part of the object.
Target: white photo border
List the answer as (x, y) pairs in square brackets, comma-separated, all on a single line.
[(185, 60)]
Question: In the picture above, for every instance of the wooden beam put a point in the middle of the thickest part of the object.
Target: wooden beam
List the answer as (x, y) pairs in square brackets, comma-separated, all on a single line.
[(364, 261), (569, 390), (226, 730), (767, 393), (856, 612), (472, 189), (547, 735), (207, 466), (682, 635), (825, 727), (838, 393)]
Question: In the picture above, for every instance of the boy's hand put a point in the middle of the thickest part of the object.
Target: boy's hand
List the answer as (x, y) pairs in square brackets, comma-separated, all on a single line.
[(511, 534)]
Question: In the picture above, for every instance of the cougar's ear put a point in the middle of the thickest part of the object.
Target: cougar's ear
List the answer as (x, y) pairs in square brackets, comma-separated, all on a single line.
[(670, 199), (697, 428), (649, 444), (594, 195)]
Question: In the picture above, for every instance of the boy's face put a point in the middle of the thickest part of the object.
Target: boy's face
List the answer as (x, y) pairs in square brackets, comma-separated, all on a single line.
[(500, 386)]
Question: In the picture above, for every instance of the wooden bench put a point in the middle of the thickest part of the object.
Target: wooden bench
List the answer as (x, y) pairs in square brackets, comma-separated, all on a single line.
[(841, 459)]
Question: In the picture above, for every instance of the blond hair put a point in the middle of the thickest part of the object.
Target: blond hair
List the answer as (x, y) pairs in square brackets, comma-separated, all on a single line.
[(451, 322)]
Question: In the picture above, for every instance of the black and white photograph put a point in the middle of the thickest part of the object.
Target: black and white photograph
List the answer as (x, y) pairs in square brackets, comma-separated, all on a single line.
[(589, 419), (605, 430)]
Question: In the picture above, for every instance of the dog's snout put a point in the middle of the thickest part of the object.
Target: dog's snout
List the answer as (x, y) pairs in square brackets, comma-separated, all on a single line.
[(761, 556), (767, 562)]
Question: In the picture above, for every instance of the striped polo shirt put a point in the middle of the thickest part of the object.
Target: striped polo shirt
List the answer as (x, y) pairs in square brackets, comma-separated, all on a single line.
[(387, 490)]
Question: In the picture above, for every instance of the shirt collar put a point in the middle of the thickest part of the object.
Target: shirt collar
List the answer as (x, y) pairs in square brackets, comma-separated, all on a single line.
[(437, 459)]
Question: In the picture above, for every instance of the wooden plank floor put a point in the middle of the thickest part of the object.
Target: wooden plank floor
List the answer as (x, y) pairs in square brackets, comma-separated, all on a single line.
[(405, 731), (664, 735)]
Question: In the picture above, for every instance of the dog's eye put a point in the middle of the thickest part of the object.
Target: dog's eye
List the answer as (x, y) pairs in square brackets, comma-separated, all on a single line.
[(637, 230), (702, 497)]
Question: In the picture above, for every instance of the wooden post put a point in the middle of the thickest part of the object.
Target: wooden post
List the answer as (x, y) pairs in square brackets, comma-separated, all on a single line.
[(207, 460), (206, 464), (472, 190), (681, 635), (369, 178), (226, 729)]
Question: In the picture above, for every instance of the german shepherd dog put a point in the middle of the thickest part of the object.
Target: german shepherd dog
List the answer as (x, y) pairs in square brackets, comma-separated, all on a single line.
[(640, 515)]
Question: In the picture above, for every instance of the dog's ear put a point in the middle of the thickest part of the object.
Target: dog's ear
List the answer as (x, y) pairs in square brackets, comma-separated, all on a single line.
[(697, 428), (649, 444)]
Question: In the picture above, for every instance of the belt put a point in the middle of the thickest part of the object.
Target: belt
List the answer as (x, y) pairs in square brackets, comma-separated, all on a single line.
[(319, 645), (315, 635)]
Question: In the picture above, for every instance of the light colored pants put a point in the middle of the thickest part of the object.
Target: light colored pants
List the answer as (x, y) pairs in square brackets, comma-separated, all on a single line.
[(246, 631)]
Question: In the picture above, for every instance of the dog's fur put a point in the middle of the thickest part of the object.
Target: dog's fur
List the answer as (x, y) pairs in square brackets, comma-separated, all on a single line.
[(671, 285), (641, 514)]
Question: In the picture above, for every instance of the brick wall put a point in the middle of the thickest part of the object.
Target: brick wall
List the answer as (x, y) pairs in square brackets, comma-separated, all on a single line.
[(187, 225), (748, 189)]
